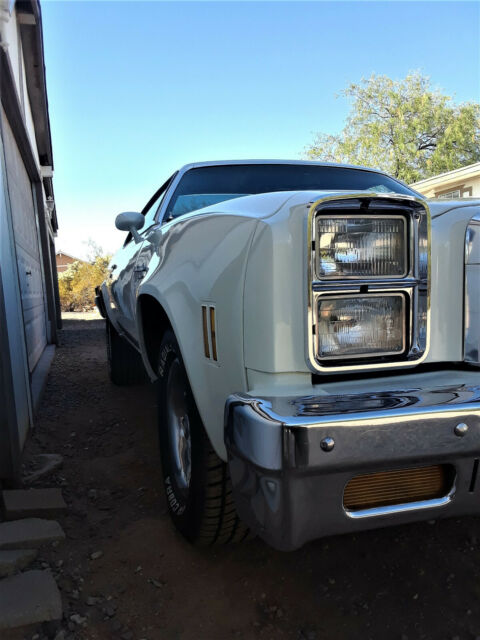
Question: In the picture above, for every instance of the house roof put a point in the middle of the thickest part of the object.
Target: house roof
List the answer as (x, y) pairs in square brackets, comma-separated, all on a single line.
[(29, 18), (59, 252), (470, 171)]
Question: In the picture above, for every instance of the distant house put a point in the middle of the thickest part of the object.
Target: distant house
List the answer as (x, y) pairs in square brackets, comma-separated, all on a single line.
[(29, 303), (459, 183), (64, 260)]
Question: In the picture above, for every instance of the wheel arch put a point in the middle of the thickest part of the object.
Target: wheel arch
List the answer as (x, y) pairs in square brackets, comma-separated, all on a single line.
[(153, 322)]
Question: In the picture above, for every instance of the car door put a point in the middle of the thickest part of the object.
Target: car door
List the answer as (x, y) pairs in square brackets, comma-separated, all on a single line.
[(125, 276)]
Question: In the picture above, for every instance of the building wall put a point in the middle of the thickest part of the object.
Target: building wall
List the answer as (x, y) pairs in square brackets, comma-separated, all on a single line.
[(460, 183), (64, 261), (13, 351), (28, 301), (27, 247), (12, 36)]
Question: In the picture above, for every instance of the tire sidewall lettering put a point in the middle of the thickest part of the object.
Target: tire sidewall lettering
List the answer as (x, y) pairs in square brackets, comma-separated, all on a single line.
[(163, 359), (175, 505)]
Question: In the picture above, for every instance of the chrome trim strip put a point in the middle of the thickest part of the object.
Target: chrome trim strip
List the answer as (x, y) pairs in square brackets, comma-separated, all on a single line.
[(472, 241), (419, 272), (387, 283), (471, 338), (401, 508), (374, 409)]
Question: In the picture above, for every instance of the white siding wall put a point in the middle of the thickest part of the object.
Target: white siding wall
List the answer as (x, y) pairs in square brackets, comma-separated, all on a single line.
[(30, 272), (14, 316)]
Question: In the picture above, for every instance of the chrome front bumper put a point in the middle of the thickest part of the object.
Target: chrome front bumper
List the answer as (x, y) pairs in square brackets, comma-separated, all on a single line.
[(291, 457)]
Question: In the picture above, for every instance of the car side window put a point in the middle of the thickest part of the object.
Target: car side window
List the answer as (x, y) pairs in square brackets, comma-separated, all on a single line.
[(151, 212), (151, 208)]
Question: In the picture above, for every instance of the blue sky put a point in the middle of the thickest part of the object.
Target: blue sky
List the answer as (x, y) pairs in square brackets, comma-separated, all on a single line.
[(138, 89)]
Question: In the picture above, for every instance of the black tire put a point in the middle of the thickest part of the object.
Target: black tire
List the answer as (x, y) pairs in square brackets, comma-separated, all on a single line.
[(125, 364), (199, 494)]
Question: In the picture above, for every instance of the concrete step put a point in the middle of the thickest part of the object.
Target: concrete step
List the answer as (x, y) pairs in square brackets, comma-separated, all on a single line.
[(29, 598), (13, 561), (33, 503), (30, 533)]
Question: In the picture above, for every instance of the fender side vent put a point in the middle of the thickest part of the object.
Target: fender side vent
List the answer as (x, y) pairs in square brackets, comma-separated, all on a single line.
[(402, 486), (213, 333), (206, 345), (209, 333)]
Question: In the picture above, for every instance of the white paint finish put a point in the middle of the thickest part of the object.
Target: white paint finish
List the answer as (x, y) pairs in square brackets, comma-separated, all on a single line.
[(10, 36), (201, 260), (10, 33), (248, 257), (25, 228), (274, 327), (274, 385), (30, 127), (447, 290), (122, 285), (441, 207), (275, 290), (13, 310)]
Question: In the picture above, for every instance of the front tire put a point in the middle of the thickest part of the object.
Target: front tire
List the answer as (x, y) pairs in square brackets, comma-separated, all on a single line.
[(197, 484)]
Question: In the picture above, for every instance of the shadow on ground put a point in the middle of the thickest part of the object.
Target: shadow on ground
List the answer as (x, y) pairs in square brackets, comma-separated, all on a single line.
[(419, 581)]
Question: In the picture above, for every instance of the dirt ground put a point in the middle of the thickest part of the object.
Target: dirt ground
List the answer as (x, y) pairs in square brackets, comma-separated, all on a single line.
[(144, 581)]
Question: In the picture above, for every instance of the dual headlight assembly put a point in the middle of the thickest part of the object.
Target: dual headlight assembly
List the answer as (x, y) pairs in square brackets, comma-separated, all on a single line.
[(368, 282)]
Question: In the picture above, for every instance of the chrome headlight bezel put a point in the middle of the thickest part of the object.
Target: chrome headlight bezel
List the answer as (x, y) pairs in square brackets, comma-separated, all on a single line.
[(414, 284)]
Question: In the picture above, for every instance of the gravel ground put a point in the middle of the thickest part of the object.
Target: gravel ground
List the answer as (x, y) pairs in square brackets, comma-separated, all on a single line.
[(125, 573)]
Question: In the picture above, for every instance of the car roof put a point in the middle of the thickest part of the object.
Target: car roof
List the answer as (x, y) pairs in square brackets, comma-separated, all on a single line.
[(213, 163)]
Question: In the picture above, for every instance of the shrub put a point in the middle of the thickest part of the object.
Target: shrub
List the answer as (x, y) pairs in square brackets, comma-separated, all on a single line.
[(77, 283)]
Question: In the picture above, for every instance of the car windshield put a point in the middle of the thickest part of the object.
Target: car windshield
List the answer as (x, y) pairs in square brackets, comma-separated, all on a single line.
[(204, 186)]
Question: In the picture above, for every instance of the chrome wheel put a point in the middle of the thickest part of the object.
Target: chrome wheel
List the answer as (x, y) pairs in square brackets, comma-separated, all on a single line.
[(179, 425)]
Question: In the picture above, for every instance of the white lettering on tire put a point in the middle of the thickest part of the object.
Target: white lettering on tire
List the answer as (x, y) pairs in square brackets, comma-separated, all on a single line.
[(175, 506)]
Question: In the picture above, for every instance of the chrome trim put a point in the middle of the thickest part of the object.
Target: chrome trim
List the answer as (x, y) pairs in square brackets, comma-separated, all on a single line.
[(339, 295), (369, 278), (471, 347), (358, 410), (417, 280), (289, 490), (401, 508), (472, 241)]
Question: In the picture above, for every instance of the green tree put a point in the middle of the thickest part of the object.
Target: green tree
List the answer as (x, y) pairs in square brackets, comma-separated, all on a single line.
[(77, 283), (404, 127)]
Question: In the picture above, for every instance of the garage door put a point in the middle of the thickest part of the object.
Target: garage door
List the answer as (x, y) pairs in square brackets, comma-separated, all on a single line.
[(27, 248)]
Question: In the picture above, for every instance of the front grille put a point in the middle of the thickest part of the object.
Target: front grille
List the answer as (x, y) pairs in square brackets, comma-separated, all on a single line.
[(402, 486)]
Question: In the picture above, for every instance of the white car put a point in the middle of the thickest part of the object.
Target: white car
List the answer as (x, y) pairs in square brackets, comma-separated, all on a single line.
[(315, 333)]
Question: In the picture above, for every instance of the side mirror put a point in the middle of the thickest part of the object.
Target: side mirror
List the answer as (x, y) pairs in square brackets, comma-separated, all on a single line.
[(130, 221)]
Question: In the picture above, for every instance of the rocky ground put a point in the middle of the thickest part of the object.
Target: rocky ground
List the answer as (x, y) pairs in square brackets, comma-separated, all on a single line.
[(124, 573)]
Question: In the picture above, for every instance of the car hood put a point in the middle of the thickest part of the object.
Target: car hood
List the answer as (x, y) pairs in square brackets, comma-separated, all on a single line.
[(440, 206)]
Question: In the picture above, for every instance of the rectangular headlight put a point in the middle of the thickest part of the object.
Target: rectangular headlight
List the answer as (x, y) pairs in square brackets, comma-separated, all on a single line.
[(350, 246), (361, 326)]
